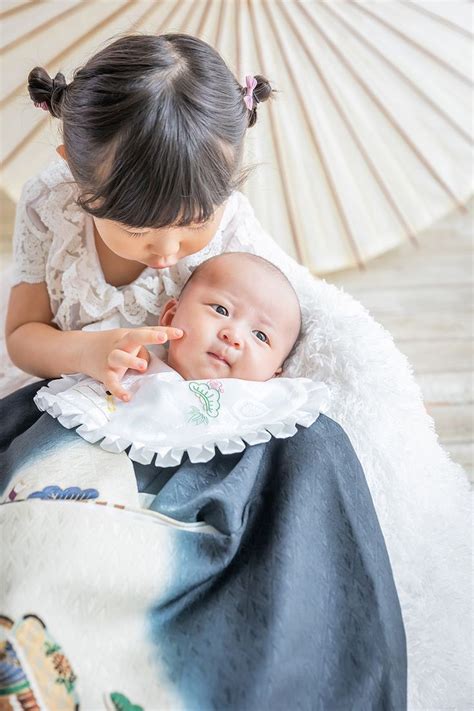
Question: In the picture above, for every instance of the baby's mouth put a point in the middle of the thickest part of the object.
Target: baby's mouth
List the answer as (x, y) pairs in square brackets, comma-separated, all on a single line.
[(219, 358)]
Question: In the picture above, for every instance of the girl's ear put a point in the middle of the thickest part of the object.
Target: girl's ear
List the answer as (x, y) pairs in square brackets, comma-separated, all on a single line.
[(61, 150), (168, 313)]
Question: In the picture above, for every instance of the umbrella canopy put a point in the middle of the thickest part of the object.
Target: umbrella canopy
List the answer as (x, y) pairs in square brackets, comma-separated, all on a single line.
[(367, 143)]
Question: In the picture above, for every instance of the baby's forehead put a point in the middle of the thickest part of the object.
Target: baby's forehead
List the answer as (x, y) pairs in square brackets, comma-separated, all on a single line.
[(253, 280), (244, 275), (233, 267)]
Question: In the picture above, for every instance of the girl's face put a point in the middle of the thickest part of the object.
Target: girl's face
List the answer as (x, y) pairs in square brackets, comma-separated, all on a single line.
[(157, 248)]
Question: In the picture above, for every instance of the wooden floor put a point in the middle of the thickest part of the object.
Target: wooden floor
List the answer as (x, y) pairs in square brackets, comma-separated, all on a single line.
[(424, 297)]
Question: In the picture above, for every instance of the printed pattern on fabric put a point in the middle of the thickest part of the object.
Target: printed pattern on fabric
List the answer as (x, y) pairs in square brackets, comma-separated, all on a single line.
[(34, 669)]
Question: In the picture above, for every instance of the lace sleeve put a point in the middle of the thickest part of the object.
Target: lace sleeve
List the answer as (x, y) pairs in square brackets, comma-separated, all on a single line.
[(31, 238)]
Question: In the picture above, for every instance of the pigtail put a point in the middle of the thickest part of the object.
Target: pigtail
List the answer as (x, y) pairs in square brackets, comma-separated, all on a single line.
[(47, 93), (262, 92)]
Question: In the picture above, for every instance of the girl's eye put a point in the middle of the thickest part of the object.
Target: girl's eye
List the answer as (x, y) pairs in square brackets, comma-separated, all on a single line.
[(261, 336), (136, 234), (220, 309)]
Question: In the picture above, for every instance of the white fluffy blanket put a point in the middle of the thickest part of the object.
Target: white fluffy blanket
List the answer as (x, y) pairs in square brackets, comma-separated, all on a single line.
[(420, 495)]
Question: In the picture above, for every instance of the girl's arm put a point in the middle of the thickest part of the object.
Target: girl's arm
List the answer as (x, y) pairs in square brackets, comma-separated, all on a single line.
[(37, 346)]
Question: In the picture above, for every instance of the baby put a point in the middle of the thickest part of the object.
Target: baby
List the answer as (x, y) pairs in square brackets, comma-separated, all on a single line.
[(240, 318)]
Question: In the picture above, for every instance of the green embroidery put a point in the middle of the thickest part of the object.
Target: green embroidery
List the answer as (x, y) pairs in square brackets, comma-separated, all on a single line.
[(121, 702), (195, 417), (208, 397)]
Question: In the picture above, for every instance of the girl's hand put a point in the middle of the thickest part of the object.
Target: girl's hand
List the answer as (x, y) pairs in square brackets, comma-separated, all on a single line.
[(113, 352)]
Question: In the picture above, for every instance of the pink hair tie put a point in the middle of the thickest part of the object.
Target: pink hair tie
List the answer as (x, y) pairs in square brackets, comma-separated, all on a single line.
[(42, 105), (251, 83)]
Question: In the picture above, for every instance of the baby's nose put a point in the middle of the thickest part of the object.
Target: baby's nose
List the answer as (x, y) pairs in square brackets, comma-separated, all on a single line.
[(232, 338)]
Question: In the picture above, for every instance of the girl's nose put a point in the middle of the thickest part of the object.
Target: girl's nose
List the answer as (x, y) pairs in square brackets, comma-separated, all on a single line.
[(165, 243), (168, 249), (231, 337), (171, 248)]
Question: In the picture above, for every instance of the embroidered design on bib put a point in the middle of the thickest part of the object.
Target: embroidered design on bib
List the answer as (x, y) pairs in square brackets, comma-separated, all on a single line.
[(209, 395)]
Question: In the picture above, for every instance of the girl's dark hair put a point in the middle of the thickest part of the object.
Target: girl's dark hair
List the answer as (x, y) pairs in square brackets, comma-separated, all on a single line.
[(153, 128)]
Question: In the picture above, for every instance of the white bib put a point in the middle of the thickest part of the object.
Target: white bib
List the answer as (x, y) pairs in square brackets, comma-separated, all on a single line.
[(168, 416)]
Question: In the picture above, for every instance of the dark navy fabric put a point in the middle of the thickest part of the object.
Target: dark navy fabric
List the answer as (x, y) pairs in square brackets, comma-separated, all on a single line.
[(290, 602), (293, 604), (18, 412)]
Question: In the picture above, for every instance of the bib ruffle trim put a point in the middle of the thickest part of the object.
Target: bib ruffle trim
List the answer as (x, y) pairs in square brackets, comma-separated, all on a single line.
[(304, 400)]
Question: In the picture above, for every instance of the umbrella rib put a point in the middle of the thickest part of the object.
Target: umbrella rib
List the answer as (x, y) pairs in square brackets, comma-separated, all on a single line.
[(444, 21), (19, 8), (203, 19), (348, 124), (220, 24), (238, 49), (29, 136), (190, 12), (167, 19), (383, 109), (398, 71), (58, 57), (299, 246), (413, 42), (317, 144), (43, 26)]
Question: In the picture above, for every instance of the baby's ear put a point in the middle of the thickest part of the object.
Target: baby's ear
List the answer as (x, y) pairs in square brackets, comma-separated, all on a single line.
[(278, 372), (168, 313), (61, 151)]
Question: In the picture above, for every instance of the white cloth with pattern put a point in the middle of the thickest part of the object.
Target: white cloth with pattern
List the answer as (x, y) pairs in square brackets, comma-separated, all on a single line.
[(168, 415), (420, 495)]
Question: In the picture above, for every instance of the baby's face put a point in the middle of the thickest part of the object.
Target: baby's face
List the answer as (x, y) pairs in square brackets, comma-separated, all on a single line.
[(239, 321)]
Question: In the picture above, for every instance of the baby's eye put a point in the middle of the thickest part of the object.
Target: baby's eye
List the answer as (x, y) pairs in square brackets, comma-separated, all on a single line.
[(220, 309), (261, 336)]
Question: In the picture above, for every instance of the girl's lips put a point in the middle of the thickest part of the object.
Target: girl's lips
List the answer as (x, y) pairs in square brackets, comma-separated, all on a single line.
[(162, 263), (219, 358)]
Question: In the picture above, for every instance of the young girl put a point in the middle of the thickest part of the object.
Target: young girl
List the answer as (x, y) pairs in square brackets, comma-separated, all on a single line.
[(153, 130)]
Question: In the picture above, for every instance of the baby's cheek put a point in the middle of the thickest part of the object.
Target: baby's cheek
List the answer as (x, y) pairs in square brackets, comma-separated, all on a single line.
[(179, 351)]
